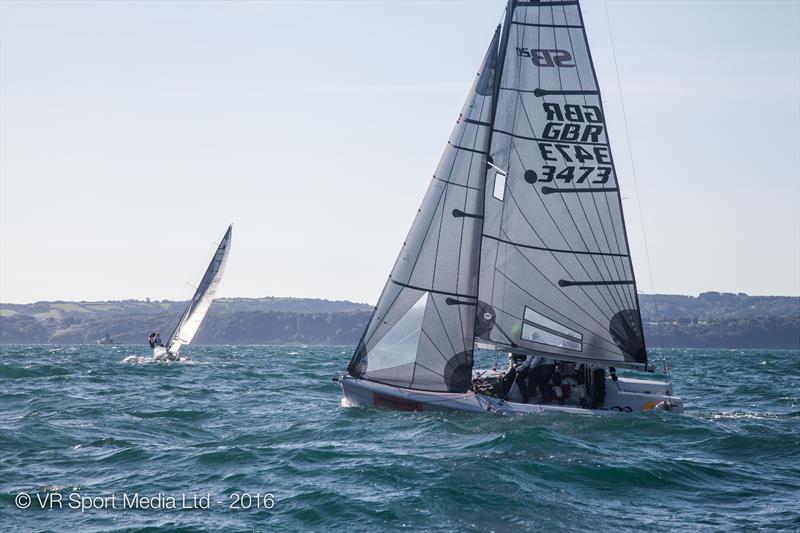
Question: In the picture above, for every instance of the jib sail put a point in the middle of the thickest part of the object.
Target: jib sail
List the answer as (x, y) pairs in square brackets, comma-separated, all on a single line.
[(198, 307), (421, 333), (555, 270)]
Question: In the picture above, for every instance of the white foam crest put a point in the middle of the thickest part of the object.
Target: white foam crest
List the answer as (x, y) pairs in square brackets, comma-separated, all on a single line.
[(747, 415)]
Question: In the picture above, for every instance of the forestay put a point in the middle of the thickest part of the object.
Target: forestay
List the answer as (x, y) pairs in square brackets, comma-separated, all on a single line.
[(555, 270), (196, 311), (420, 335)]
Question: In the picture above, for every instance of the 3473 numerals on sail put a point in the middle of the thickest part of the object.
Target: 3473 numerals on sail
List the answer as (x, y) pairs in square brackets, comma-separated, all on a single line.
[(571, 153), (598, 175)]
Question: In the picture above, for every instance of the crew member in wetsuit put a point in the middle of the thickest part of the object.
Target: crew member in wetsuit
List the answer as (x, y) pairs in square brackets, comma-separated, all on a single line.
[(518, 371), (543, 369), (152, 340), (158, 339)]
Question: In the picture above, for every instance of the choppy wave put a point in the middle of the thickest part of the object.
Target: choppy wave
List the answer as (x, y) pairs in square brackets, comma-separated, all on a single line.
[(104, 420)]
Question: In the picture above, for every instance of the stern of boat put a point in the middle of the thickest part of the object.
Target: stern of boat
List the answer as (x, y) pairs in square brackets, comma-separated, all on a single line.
[(630, 394)]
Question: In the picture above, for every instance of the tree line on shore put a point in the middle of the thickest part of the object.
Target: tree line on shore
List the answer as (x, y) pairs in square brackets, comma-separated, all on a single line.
[(711, 320)]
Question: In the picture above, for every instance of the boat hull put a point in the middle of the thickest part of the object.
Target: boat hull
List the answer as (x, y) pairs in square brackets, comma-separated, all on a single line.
[(631, 395), (160, 353)]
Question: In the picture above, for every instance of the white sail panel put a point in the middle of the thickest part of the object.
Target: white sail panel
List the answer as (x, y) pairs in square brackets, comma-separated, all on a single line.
[(436, 273), (196, 311), (399, 346), (556, 274)]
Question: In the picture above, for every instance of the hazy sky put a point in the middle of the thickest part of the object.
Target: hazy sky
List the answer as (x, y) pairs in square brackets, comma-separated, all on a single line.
[(132, 133)]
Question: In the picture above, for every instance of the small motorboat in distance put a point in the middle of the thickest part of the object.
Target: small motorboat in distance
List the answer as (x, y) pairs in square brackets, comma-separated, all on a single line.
[(519, 246), (106, 340), (191, 318)]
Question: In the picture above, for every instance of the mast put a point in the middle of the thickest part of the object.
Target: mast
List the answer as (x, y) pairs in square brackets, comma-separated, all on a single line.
[(501, 56), (498, 78)]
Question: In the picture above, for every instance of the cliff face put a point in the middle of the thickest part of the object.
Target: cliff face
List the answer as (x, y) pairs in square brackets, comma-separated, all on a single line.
[(713, 320)]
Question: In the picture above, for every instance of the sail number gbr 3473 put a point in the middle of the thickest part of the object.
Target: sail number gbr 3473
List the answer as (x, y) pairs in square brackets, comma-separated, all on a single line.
[(572, 137)]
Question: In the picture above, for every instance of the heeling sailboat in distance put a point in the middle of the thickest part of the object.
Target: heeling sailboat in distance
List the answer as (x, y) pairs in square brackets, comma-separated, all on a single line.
[(191, 318), (519, 246)]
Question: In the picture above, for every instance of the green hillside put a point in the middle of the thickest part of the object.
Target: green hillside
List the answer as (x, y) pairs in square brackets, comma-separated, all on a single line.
[(712, 319)]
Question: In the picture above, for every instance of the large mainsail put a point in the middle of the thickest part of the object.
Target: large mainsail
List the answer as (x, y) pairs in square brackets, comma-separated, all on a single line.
[(196, 311), (421, 333), (555, 268)]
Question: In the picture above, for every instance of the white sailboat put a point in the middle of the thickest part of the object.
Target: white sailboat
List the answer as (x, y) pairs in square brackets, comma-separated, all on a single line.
[(191, 318), (520, 244)]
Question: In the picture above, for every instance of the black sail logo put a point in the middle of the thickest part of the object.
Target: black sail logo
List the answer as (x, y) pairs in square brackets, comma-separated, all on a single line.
[(547, 57)]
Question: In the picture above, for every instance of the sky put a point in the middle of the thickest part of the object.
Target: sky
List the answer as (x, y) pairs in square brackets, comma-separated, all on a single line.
[(133, 133)]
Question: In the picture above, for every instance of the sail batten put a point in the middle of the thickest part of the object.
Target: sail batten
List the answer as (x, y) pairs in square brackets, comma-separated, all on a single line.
[(554, 250), (435, 291)]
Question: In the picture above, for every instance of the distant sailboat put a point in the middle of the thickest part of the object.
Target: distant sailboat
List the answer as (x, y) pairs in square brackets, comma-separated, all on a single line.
[(191, 318), (520, 244)]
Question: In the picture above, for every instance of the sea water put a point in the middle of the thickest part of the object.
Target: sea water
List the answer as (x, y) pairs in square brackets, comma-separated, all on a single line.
[(255, 438)]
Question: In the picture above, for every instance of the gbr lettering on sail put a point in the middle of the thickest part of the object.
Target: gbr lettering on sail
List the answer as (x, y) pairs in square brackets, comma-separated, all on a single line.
[(571, 146)]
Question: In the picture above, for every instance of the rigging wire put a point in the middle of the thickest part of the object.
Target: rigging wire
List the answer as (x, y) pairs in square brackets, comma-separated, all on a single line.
[(638, 195)]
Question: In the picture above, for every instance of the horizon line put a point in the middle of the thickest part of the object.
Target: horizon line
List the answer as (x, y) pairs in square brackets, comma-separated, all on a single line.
[(152, 300)]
